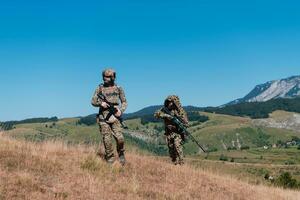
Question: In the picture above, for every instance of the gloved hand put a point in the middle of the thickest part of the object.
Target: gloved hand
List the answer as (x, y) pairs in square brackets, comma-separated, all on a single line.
[(119, 112), (104, 104)]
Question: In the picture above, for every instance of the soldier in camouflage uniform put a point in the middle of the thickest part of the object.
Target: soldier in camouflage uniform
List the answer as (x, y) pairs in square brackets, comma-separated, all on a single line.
[(110, 125), (174, 138)]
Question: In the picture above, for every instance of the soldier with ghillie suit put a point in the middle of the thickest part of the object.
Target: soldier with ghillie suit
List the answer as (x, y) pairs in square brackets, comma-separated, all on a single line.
[(107, 96), (174, 137)]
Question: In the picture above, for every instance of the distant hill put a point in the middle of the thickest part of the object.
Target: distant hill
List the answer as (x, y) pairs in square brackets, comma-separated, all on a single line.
[(90, 119), (258, 109), (10, 124), (254, 110), (283, 88), (151, 110), (145, 111), (146, 114), (215, 131)]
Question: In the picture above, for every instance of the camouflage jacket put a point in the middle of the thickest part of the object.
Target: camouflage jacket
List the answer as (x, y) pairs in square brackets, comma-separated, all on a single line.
[(170, 127), (114, 95)]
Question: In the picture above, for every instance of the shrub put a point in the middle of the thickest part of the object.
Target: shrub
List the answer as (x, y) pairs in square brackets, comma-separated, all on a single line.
[(245, 147), (223, 157), (289, 162), (286, 180), (267, 176), (212, 149), (231, 148)]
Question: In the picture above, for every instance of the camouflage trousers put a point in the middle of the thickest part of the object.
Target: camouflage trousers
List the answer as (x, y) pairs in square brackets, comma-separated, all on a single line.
[(174, 142), (109, 131)]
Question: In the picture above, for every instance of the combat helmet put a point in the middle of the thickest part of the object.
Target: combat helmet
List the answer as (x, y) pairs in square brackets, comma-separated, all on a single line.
[(109, 72)]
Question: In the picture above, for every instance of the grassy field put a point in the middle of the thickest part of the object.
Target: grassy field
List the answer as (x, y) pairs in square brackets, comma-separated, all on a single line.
[(251, 165), (221, 132), (57, 170)]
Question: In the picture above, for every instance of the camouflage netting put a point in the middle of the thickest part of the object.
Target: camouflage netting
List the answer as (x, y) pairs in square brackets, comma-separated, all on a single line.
[(175, 99)]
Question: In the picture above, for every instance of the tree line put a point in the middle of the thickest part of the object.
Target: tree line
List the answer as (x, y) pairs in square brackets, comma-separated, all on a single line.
[(258, 109), (8, 125)]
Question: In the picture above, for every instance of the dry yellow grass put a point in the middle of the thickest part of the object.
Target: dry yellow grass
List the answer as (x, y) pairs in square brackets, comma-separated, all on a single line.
[(57, 171)]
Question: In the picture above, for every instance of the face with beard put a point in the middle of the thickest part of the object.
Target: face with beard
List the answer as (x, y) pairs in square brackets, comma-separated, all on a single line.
[(108, 80), (109, 76)]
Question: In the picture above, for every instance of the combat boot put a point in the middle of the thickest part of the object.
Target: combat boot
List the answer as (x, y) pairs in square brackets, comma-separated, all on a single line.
[(110, 159), (122, 159), (181, 162)]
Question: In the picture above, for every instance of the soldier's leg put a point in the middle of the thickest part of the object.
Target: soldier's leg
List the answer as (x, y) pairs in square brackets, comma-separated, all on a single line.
[(101, 149), (178, 149), (118, 135), (170, 143), (107, 140)]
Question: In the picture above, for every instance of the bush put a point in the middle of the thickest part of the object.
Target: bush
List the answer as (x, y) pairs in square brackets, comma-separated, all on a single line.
[(196, 116), (88, 120), (231, 148), (279, 143), (212, 149), (223, 157), (6, 126), (289, 162), (296, 139), (285, 180), (245, 147), (267, 176)]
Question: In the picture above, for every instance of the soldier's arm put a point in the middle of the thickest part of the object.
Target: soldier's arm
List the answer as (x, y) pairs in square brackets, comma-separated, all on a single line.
[(123, 100), (96, 101), (161, 114), (185, 119)]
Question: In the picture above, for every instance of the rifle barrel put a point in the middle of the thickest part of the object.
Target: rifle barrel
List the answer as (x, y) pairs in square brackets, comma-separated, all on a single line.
[(179, 123)]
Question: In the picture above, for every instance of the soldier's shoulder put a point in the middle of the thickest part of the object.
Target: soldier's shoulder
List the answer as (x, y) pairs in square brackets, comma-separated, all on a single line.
[(120, 88), (99, 87)]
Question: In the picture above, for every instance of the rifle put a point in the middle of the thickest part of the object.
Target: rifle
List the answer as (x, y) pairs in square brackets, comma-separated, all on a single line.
[(180, 125), (112, 111)]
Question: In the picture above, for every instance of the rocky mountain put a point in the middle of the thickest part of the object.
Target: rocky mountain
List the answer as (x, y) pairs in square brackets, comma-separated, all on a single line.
[(280, 120), (283, 88)]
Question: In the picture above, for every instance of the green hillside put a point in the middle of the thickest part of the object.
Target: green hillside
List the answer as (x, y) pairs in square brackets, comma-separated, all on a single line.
[(223, 132), (258, 109), (219, 133), (235, 144)]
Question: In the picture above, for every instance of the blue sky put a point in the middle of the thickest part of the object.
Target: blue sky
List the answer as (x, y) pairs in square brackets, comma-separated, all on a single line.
[(208, 52)]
